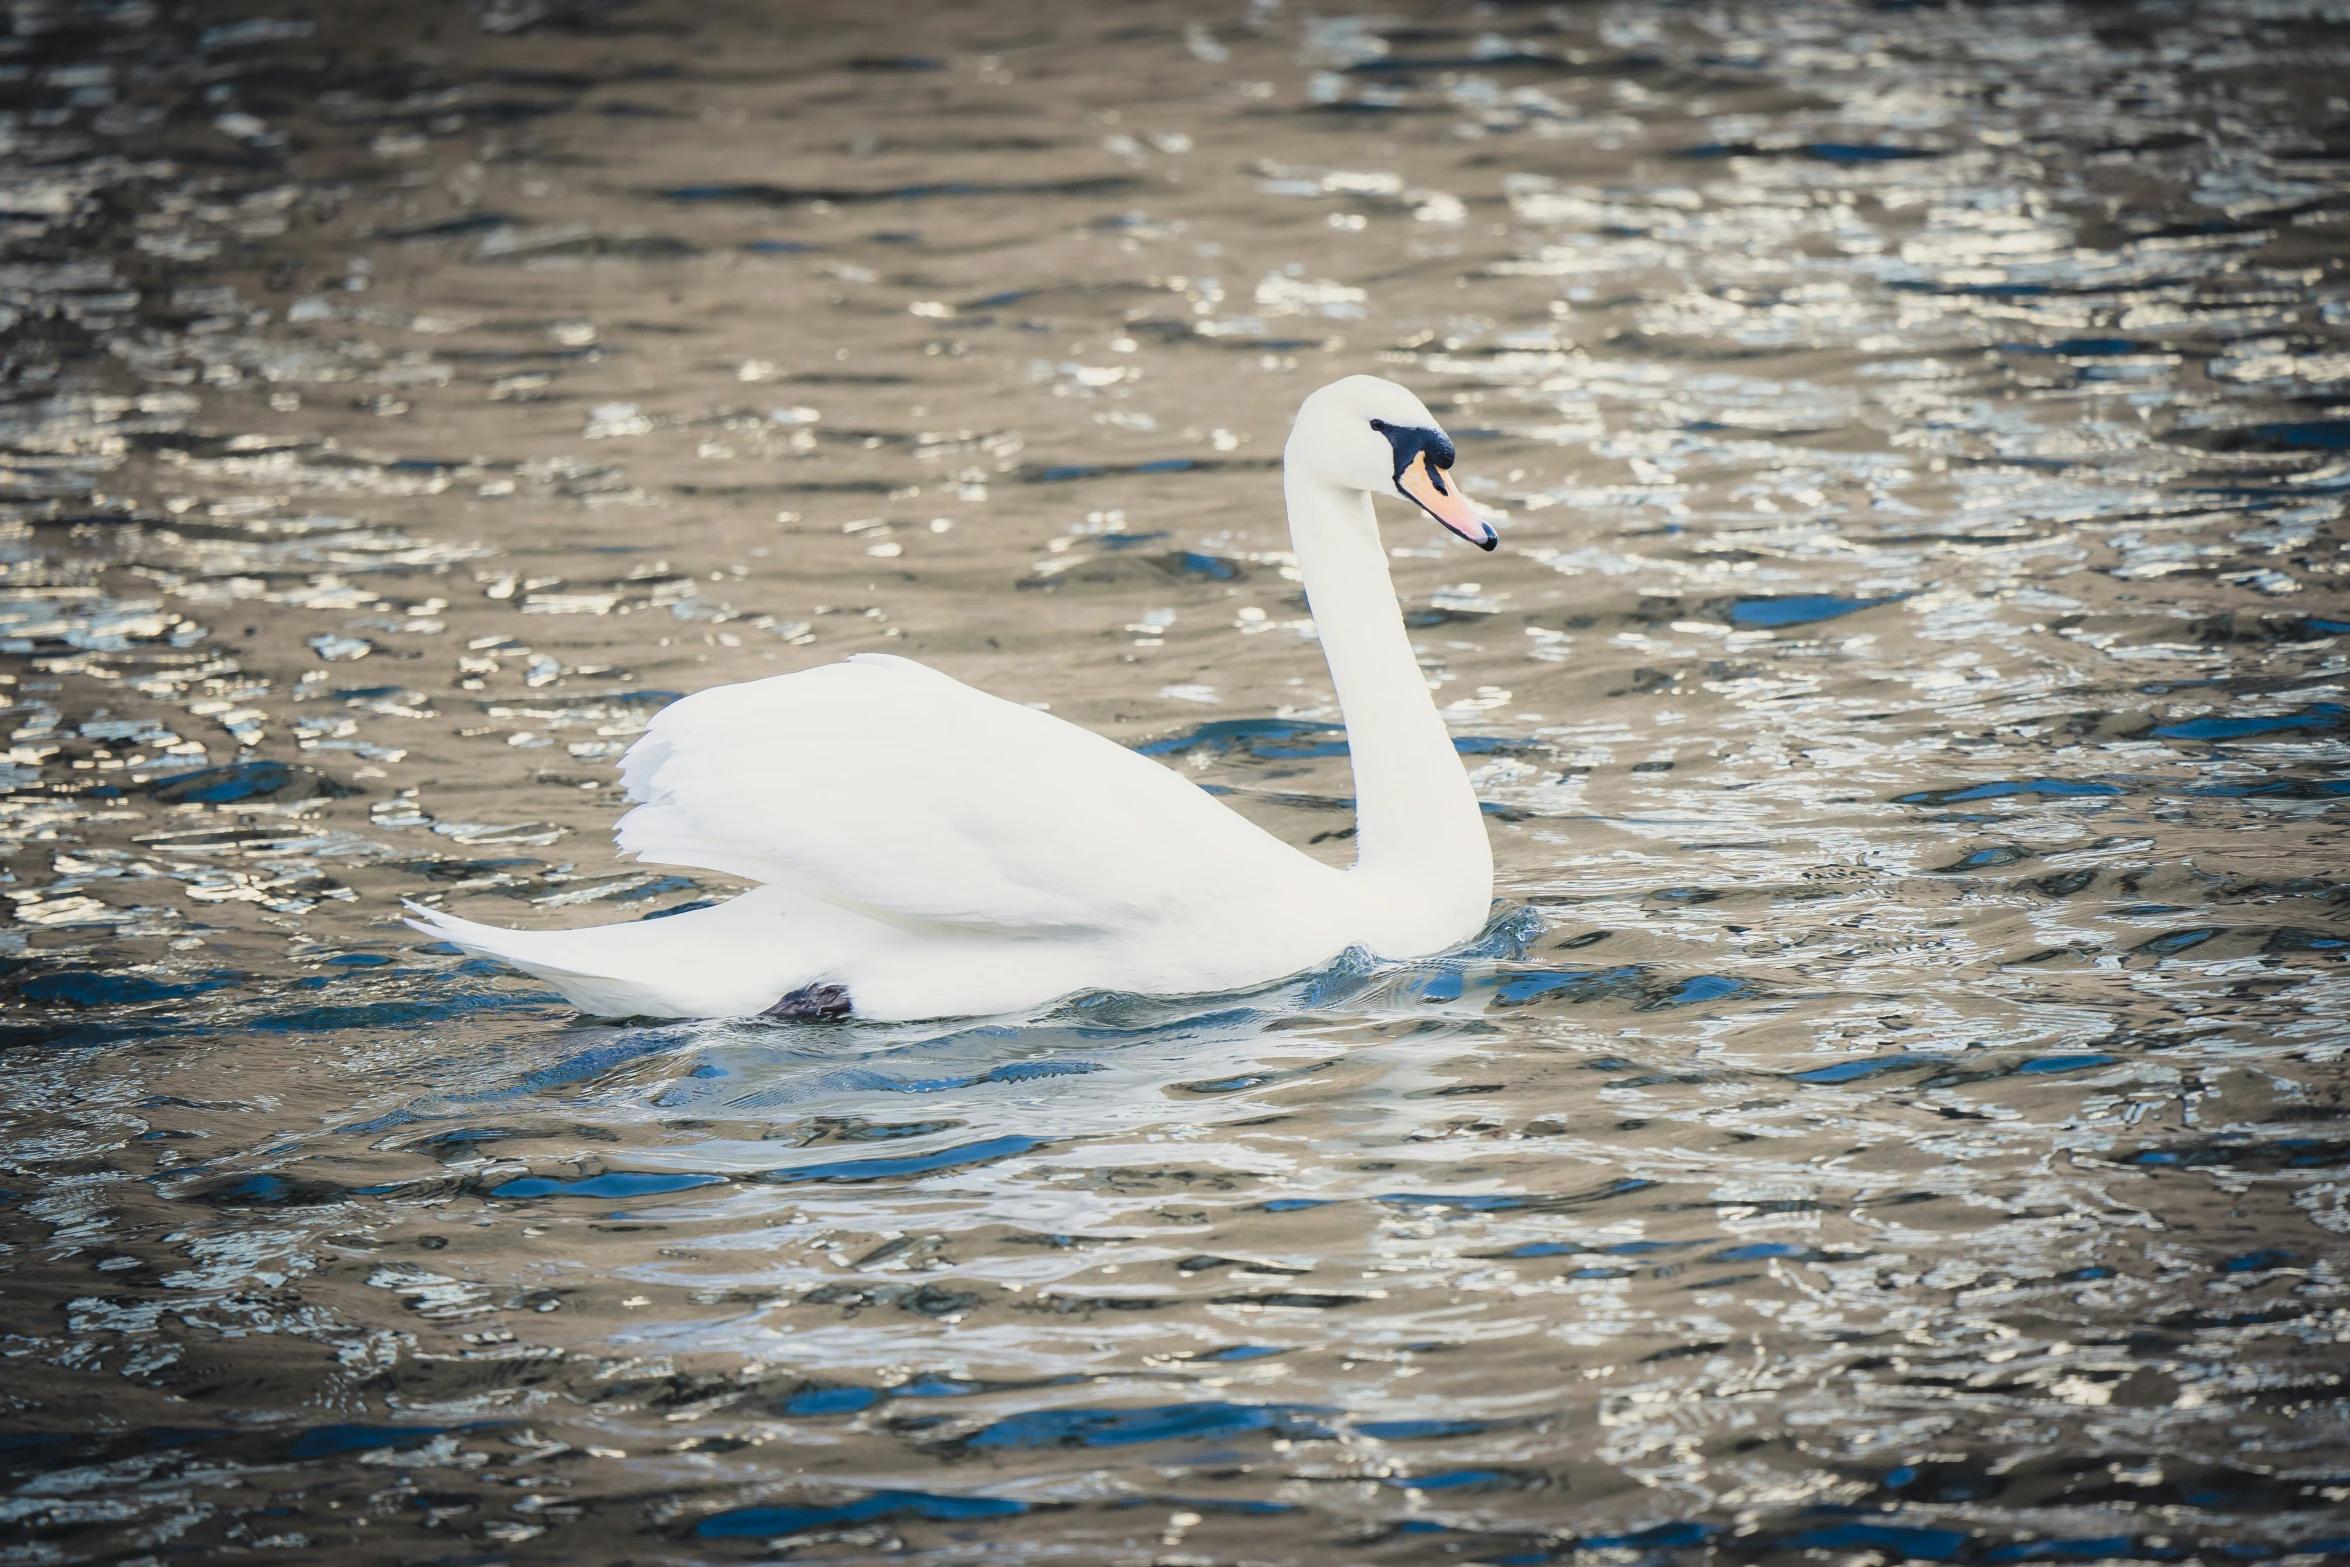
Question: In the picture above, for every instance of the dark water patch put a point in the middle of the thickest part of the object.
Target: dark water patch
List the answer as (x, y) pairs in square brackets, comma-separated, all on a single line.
[(398, 1014), (1403, 68), (2270, 789), (1203, 1262), (452, 228), (1697, 990), (1419, 1430), (1200, 1422), (1974, 290), (119, 1446), (614, 1049), (851, 1171), (467, 1141), (1267, 739), (2303, 435), (1984, 860), (1645, 988), (523, 248), (1954, 1074), (933, 1385), (2258, 1261), (856, 1129), (753, 1523), (2321, 717), (762, 194), (2240, 1151), (84, 1036), (2298, 1115), (1864, 1069), (93, 988), (1800, 610), (1465, 1480), (1656, 1537), (1427, 618), (247, 781), (1245, 1507), (468, 870), (831, 1401), (2171, 942), (1607, 1191), (1784, 1251), (2046, 788), (1509, 1202), (1065, 1304), (2290, 939), (923, 1300), (1536, 1250), (1065, 473), (2078, 347), (1293, 1300), (1848, 154), (860, 1080), (1210, 568), (2237, 628), (269, 1191), (2100, 1548), (613, 1183)]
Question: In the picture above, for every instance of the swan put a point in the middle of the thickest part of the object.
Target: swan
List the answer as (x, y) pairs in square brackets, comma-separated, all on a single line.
[(921, 849)]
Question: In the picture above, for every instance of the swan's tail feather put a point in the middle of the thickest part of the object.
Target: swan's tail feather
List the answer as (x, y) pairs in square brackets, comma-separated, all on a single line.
[(727, 961), (597, 995)]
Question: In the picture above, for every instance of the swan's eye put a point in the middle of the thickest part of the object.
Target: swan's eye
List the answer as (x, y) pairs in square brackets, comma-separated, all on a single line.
[(1380, 425)]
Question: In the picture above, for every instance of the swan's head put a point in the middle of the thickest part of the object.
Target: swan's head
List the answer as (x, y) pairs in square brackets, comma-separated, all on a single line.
[(1364, 433)]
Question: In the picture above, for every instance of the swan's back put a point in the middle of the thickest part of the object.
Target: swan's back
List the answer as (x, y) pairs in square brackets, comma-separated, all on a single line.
[(882, 786)]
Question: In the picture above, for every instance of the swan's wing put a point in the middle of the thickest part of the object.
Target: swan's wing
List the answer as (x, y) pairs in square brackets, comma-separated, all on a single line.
[(887, 787)]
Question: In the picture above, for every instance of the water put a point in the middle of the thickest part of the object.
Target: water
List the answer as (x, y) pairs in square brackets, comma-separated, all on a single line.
[(1896, 1113)]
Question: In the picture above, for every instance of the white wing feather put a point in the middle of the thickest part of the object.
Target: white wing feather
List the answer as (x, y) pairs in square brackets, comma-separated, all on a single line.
[(886, 787)]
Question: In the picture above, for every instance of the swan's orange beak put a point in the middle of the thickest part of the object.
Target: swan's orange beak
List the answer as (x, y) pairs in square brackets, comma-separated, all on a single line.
[(1426, 486)]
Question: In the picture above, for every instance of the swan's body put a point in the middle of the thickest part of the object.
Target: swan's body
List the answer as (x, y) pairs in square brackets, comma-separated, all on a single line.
[(923, 849)]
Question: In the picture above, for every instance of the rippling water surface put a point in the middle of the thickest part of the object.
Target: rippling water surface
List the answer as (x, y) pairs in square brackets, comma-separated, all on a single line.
[(1896, 1112)]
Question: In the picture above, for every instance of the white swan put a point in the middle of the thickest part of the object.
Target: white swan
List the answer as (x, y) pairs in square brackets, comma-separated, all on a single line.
[(926, 850)]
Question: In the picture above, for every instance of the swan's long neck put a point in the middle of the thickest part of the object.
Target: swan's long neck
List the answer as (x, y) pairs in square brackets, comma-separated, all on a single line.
[(1420, 839)]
